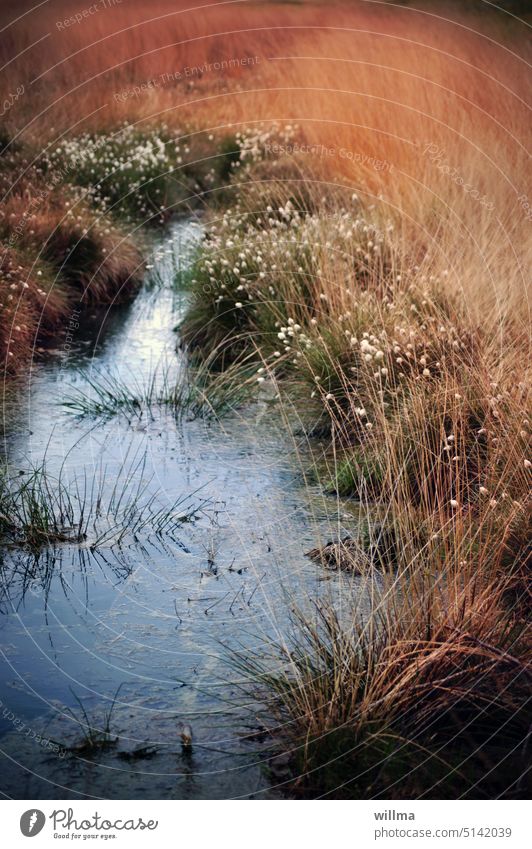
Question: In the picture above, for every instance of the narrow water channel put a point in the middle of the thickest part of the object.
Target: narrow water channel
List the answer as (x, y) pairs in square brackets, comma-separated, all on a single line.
[(152, 616)]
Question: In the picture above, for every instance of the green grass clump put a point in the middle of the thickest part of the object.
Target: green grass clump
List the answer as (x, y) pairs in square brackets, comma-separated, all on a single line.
[(35, 510), (144, 174), (95, 734)]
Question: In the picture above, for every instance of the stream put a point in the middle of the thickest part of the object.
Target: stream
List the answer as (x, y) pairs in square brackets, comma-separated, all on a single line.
[(145, 623)]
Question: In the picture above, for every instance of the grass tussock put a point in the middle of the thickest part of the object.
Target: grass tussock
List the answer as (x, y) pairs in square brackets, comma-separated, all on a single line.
[(70, 227), (38, 509), (59, 255), (427, 697)]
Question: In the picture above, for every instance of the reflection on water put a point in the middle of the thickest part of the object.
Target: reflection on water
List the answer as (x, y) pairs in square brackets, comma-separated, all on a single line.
[(154, 614)]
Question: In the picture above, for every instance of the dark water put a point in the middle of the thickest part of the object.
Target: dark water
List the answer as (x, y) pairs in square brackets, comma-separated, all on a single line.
[(154, 616)]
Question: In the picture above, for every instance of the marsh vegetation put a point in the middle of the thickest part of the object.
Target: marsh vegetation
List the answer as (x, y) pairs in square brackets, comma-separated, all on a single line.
[(345, 336)]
